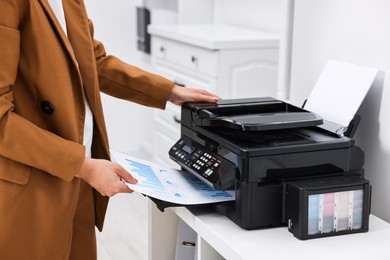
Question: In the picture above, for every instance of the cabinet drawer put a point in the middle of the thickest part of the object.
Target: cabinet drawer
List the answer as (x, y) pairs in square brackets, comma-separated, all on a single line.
[(191, 57), (162, 145), (188, 79), (168, 120)]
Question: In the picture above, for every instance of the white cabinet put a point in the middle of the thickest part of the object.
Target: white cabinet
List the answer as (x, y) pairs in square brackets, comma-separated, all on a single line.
[(230, 61), (219, 238)]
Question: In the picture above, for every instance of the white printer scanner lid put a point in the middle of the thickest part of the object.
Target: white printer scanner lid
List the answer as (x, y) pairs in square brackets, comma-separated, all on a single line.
[(339, 92)]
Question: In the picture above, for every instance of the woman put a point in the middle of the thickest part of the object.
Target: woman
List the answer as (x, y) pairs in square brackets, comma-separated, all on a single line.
[(55, 173)]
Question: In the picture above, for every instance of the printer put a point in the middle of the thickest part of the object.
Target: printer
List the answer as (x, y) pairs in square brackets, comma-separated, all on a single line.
[(287, 166)]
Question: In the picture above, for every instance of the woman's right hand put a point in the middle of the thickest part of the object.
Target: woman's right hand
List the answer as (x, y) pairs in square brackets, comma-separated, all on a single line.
[(105, 176)]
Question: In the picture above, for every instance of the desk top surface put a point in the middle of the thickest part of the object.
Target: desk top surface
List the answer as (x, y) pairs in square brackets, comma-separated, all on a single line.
[(233, 242), (213, 36)]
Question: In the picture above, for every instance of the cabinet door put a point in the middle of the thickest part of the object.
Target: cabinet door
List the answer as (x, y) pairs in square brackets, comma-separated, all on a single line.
[(167, 122), (166, 133), (249, 73), (163, 143), (254, 79), (170, 118)]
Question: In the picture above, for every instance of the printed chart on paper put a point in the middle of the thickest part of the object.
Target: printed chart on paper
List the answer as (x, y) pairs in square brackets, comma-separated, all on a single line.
[(169, 184)]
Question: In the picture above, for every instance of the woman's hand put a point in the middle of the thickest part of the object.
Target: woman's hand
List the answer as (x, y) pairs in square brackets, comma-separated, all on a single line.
[(105, 176), (179, 95)]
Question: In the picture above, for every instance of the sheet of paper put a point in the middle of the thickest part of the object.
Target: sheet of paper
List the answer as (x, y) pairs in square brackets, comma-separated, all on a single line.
[(340, 90), (169, 184)]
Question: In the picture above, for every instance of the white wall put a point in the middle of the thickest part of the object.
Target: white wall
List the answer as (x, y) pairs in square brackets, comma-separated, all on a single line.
[(354, 31), (115, 25), (255, 14)]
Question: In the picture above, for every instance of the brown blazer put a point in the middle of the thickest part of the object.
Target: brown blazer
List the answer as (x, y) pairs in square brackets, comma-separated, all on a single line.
[(42, 74)]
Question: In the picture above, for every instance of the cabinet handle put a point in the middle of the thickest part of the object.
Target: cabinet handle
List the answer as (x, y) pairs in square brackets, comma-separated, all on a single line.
[(162, 49), (180, 84), (177, 119), (194, 59), (188, 243)]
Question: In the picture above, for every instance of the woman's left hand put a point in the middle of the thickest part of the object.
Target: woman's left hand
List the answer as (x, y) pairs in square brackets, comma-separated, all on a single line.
[(179, 95)]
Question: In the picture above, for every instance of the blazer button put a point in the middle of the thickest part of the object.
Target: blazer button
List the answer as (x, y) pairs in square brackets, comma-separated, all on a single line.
[(47, 107)]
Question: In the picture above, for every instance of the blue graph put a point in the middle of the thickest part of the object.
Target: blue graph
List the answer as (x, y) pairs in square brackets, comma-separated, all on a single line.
[(170, 184), (149, 179), (205, 190)]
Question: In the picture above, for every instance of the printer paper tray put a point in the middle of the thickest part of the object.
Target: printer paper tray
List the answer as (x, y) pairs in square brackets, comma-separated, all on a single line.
[(162, 205)]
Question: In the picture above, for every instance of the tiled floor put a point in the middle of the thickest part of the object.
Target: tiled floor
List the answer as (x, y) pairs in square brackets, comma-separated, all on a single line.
[(125, 233)]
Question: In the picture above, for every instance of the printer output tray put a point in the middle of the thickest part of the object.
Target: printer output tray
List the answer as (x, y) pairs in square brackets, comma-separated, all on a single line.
[(256, 115)]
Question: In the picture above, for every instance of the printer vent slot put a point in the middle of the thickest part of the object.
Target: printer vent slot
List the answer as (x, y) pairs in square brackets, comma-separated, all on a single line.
[(287, 174), (232, 187)]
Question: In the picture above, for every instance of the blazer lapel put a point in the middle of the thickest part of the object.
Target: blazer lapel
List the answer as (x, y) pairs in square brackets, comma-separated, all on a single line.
[(80, 38), (57, 26)]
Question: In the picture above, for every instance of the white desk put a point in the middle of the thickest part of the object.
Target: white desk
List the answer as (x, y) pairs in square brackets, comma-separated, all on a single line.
[(220, 238)]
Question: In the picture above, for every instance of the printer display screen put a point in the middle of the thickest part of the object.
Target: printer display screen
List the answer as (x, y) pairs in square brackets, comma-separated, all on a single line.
[(188, 149)]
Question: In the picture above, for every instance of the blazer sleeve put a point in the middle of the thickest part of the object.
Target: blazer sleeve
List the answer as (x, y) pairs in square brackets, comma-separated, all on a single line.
[(121, 80), (21, 141)]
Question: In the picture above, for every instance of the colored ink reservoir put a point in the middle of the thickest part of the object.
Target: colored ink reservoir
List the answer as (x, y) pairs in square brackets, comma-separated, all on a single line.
[(329, 206)]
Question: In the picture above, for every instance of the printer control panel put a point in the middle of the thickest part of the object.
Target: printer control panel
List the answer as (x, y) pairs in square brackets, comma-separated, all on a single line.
[(209, 167)]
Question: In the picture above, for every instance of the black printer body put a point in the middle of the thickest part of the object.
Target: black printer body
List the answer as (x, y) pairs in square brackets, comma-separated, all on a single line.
[(263, 148)]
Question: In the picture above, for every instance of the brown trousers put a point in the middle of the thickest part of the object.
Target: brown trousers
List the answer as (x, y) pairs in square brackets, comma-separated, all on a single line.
[(47, 218)]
